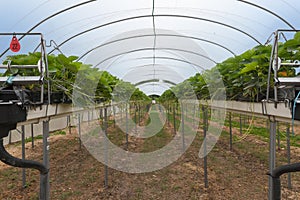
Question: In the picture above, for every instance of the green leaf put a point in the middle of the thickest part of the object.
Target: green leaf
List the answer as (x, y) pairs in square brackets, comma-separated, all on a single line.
[(249, 67)]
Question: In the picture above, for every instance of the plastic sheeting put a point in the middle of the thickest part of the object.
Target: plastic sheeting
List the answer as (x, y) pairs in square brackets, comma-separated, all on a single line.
[(153, 44)]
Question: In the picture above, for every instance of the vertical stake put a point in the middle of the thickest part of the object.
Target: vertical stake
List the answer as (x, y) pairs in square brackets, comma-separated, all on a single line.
[(106, 149), (126, 110), (79, 129), (32, 135), (230, 131), (241, 125), (194, 116), (121, 110), (69, 124), (45, 183), (139, 115), (204, 146), (23, 156), (278, 137), (135, 118), (182, 128), (174, 118), (114, 113), (288, 149), (272, 155), (167, 112)]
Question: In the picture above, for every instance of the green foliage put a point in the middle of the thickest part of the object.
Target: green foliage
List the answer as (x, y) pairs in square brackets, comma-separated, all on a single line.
[(244, 76), (64, 72), (168, 95)]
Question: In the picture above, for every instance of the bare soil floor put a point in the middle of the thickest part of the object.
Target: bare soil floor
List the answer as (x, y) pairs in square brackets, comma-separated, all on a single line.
[(74, 174)]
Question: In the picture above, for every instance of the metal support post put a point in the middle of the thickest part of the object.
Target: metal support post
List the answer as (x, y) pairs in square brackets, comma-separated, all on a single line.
[(230, 132), (272, 155), (139, 115), (126, 110), (114, 113), (182, 129), (106, 150), (174, 119), (69, 124), (45, 182), (288, 149), (32, 135), (135, 118), (241, 125), (205, 120), (79, 129), (23, 156), (278, 137)]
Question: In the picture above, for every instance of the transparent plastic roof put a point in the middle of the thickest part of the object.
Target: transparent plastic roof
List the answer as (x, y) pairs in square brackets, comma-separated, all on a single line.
[(152, 43)]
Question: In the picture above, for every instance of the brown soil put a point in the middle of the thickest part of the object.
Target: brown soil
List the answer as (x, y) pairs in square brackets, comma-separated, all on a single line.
[(238, 174)]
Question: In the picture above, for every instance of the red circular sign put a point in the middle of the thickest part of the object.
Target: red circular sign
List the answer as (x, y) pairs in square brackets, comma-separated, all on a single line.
[(15, 44)]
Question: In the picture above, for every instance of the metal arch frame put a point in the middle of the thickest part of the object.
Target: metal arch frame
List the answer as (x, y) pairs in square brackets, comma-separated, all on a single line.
[(162, 15), (269, 11), (166, 58), (151, 49), (49, 17), (151, 84), (134, 68), (157, 35), (166, 67), (170, 58), (154, 81)]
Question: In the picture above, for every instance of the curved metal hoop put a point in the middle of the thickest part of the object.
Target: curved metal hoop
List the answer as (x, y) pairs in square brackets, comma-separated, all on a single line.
[(157, 35), (150, 16)]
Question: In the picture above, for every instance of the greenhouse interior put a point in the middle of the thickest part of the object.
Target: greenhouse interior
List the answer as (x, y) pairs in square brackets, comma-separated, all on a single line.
[(150, 99)]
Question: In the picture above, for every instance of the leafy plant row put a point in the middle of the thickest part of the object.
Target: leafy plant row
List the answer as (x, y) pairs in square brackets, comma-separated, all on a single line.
[(66, 75), (244, 77)]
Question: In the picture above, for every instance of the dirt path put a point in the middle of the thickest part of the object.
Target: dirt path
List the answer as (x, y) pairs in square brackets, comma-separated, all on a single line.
[(239, 174)]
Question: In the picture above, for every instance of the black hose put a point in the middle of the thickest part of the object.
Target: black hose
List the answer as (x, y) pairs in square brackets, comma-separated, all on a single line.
[(277, 172), (16, 162)]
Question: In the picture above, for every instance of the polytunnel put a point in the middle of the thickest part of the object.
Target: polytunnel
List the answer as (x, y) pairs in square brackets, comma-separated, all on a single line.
[(153, 39), (155, 45)]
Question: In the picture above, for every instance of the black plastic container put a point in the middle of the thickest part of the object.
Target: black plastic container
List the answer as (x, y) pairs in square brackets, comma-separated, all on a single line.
[(8, 95), (10, 115)]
